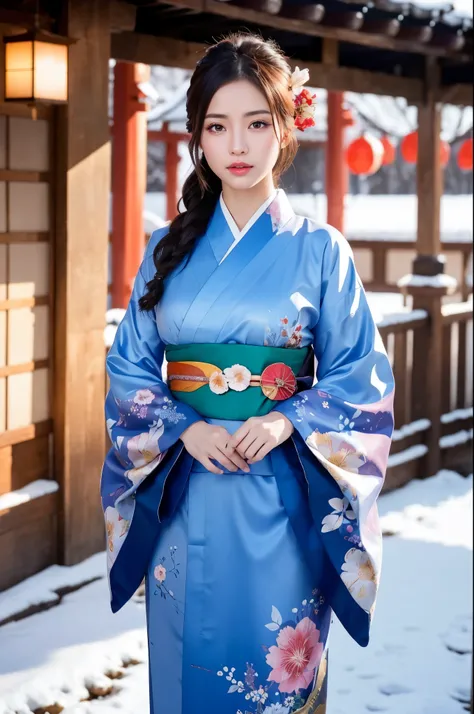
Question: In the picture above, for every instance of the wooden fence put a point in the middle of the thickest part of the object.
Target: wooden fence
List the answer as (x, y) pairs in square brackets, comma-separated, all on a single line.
[(381, 263), (407, 343)]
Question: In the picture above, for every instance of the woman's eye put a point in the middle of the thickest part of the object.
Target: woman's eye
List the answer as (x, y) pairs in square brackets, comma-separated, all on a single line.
[(259, 124), (215, 128)]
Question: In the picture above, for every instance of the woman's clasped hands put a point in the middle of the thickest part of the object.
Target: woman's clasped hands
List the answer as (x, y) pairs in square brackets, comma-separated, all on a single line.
[(251, 442)]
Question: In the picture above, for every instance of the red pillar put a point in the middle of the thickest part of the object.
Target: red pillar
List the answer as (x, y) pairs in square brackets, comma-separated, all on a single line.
[(336, 169), (128, 179), (172, 179)]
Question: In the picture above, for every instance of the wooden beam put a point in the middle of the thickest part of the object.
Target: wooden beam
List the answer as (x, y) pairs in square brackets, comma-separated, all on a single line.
[(292, 24), (429, 170), (81, 203), (391, 27), (24, 20), (349, 20), (132, 47), (272, 7), (123, 16), (458, 94), (150, 49), (308, 13), (415, 34)]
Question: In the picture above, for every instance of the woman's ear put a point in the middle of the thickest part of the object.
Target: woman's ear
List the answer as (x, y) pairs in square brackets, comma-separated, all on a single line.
[(285, 140)]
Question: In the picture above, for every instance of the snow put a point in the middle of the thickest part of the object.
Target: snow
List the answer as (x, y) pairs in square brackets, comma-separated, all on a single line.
[(41, 588), (35, 489), (432, 281), (460, 437), (397, 318), (409, 429), (418, 661), (410, 454), (457, 414), (423, 611), (457, 308)]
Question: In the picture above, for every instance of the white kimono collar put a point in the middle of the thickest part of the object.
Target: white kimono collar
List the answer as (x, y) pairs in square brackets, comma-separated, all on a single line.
[(236, 232)]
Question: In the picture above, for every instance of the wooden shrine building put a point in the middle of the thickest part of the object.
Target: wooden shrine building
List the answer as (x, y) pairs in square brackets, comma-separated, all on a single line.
[(55, 183)]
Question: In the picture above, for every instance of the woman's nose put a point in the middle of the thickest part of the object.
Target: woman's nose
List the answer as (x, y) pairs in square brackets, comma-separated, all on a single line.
[(238, 145)]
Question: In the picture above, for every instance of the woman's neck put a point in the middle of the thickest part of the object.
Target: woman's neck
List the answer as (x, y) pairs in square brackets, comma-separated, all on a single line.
[(242, 203)]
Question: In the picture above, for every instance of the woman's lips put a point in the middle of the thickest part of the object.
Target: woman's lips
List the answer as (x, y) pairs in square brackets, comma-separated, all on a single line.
[(239, 170)]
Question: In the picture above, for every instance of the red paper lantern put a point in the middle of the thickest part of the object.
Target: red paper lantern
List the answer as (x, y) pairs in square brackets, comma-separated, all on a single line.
[(364, 155), (409, 149), (465, 155), (389, 152), (444, 153)]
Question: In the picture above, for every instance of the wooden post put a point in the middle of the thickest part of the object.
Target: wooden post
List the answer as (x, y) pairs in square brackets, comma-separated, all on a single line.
[(336, 168), (81, 248), (172, 182), (128, 180), (428, 268)]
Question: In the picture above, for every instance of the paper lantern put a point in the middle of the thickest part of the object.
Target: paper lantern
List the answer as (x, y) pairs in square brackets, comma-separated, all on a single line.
[(364, 155), (444, 153), (36, 68), (409, 149), (465, 155), (389, 152)]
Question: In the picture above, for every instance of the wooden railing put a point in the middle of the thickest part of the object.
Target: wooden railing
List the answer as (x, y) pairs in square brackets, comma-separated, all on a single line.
[(407, 340), (381, 250)]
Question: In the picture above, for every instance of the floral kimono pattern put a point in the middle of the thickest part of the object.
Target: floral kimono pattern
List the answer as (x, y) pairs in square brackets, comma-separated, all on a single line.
[(244, 570)]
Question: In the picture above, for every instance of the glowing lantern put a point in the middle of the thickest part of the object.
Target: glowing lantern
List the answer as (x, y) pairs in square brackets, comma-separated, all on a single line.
[(36, 68), (409, 149), (389, 152), (465, 155), (364, 156)]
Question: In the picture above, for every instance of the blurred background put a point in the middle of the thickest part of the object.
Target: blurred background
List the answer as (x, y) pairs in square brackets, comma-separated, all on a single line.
[(93, 154)]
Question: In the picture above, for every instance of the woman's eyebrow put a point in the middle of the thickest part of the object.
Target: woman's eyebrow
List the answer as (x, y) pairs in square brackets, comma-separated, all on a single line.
[(247, 114)]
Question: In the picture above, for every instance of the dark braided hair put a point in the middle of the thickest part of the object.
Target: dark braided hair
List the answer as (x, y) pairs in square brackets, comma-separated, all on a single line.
[(239, 56)]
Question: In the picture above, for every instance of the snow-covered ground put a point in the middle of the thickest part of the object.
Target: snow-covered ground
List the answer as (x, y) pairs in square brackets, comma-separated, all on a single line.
[(418, 662)]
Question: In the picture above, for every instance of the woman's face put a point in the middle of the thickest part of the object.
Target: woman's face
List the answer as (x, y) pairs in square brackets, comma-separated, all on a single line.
[(238, 131)]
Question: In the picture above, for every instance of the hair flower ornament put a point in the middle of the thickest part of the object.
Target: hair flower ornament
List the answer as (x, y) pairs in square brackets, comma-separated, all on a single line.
[(304, 101)]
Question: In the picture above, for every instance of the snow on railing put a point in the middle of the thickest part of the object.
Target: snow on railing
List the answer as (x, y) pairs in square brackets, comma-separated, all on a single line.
[(457, 414), (409, 429), (35, 489)]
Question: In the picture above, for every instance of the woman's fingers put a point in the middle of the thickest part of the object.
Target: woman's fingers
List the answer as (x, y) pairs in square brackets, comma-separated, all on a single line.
[(239, 435), (261, 453), (219, 456), (236, 458), (245, 444), (254, 448), (207, 463)]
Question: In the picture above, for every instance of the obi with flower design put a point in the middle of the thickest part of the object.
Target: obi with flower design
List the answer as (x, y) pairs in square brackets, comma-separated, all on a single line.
[(233, 381)]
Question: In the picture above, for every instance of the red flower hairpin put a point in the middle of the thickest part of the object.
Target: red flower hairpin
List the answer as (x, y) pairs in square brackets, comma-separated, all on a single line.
[(304, 101)]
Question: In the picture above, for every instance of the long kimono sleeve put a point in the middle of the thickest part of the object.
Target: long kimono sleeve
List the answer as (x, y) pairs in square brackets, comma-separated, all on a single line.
[(345, 422), (143, 418)]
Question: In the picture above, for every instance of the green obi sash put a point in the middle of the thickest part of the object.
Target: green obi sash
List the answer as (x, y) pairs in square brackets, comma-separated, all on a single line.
[(253, 379)]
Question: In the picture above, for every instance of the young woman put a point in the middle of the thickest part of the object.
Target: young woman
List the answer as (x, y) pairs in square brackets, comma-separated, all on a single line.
[(243, 493)]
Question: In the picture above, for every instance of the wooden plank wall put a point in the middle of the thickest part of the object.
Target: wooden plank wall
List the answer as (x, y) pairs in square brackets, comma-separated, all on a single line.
[(26, 337)]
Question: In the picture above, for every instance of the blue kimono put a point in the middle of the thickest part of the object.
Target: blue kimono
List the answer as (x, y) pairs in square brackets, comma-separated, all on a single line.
[(244, 570)]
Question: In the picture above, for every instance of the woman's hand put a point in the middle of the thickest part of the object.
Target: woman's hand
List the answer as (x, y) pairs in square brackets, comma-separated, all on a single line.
[(259, 435), (205, 442)]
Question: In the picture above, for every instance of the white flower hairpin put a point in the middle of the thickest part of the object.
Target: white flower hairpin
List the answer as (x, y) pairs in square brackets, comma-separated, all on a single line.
[(304, 101)]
